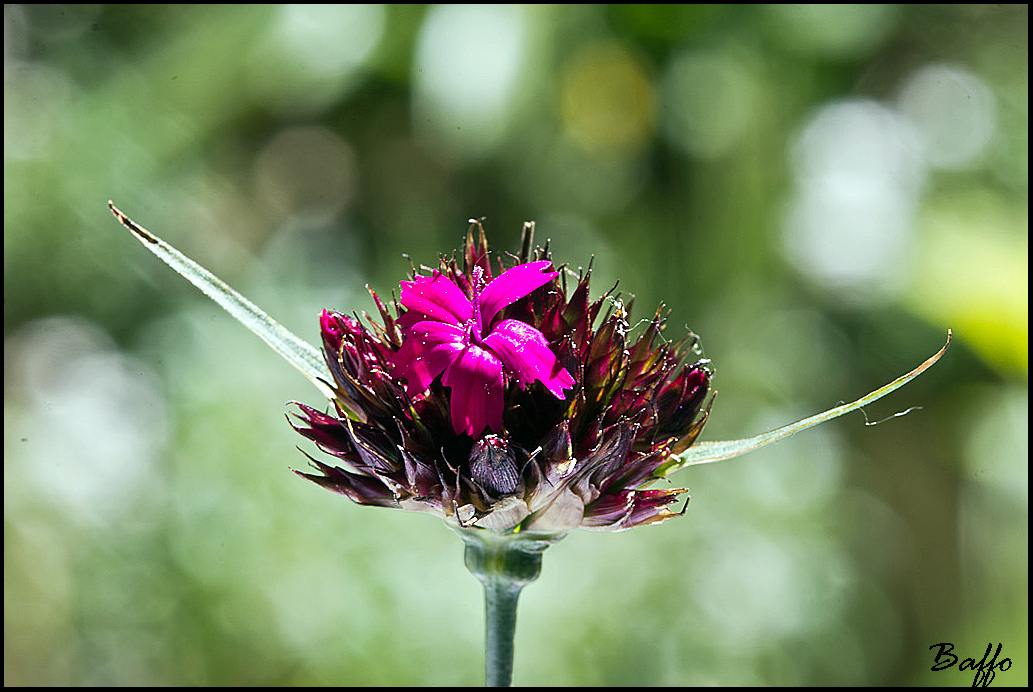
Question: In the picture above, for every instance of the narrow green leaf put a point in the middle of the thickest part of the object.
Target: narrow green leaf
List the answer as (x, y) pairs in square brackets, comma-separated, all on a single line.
[(705, 452), (302, 355)]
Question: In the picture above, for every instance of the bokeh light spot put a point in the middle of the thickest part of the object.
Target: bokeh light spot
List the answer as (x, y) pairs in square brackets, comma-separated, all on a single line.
[(709, 102), (468, 62), (606, 100), (94, 422), (953, 111), (36, 103), (972, 275), (308, 171), (832, 30), (313, 54), (858, 177)]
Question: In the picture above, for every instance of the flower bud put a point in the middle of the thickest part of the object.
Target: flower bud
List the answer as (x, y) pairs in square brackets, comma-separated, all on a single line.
[(493, 465)]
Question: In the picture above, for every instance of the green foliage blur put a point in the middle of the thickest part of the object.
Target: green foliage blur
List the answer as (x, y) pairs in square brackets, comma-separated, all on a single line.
[(818, 191)]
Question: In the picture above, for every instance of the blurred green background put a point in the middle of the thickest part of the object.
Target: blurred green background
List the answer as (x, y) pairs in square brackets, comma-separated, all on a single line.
[(818, 191)]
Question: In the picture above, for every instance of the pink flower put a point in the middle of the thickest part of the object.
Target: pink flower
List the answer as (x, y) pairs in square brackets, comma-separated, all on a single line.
[(462, 339), (510, 405)]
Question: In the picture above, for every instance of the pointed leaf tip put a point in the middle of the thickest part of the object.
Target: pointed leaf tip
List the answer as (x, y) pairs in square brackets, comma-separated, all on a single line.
[(705, 452), (299, 353), (136, 230)]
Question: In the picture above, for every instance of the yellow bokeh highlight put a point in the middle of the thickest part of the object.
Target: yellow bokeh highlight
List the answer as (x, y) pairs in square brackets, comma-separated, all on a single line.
[(606, 100), (973, 276)]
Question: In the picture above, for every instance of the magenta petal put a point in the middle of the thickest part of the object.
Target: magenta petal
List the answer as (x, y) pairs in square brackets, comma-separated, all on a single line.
[(512, 285), (429, 348), (476, 381), (525, 352), (435, 297)]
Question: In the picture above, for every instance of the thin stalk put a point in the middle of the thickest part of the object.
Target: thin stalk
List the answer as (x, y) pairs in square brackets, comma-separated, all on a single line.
[(505, 564), (500, 611)]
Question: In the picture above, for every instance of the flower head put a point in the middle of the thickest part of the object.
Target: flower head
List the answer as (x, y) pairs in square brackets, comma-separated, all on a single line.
[(461, 339), (501, 402)]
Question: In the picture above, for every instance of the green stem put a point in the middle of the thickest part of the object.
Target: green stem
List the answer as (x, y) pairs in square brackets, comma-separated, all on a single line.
[(500, 611), (505, 564)]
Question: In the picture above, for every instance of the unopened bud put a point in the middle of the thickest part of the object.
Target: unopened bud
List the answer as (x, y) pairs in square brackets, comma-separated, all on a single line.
[(493, 465)]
